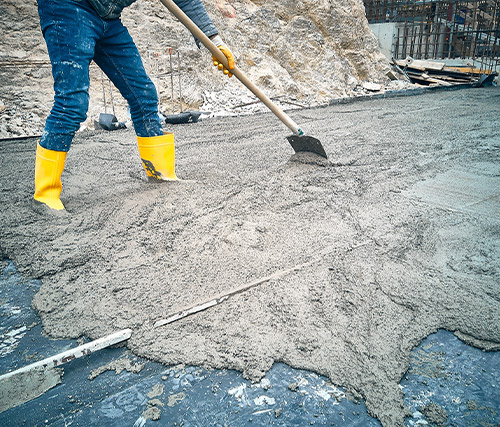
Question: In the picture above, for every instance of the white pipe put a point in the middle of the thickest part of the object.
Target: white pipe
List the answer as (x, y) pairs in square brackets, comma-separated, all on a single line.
[(75, 353)]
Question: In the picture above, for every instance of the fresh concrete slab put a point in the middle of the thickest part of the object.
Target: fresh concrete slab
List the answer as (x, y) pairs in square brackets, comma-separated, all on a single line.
[(131, 252)]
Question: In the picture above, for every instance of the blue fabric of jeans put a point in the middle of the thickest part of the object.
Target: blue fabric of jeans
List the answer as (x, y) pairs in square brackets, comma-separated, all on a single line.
[(110, 9), (76, 35)]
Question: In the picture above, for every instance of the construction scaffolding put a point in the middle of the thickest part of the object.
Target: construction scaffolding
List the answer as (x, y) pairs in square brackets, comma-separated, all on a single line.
[(439, 29)]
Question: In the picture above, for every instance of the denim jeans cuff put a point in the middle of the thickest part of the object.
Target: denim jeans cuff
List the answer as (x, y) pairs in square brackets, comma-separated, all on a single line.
[(56, 141), (149, 127)]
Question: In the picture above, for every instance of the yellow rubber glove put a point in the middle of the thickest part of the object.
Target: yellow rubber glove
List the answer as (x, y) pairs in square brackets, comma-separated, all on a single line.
[(227, 53)]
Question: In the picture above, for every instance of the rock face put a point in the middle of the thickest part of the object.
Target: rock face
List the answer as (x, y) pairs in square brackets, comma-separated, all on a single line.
[(303, 51)]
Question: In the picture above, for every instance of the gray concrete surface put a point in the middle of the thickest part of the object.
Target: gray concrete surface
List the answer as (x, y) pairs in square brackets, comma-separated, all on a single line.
[(387, 263)]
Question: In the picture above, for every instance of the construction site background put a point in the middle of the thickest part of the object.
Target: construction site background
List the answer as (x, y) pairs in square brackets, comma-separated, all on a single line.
[(456, 32), (301, 53)]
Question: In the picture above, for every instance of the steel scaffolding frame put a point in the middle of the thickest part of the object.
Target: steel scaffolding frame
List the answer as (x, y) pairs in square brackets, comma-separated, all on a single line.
[(439, 29)]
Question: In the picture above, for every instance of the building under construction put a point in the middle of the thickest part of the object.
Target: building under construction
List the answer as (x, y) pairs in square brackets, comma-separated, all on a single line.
[(438, 29)]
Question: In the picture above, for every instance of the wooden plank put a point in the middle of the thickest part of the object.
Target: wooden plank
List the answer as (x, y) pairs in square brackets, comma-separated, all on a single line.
[(203, 305), (404, 64), (431, 80), (422, 65), (416, 67), (428, 65), (464, 79), (438, 81), (467, 70), (74, 353)]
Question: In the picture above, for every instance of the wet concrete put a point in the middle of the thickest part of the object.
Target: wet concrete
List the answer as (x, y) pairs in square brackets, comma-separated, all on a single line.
[(446, 379), (132, 252), (96, 390), (25, 386)]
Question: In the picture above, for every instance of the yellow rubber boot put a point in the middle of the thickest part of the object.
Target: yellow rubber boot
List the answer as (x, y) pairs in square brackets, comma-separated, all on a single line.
[(49, 167), (158, 156)]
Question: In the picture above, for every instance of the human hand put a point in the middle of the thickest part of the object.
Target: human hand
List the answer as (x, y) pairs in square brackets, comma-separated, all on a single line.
[(227, 53)]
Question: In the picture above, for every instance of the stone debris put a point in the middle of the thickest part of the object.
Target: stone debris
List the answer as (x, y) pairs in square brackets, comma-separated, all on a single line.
[(15, 121), (174, 399), (435, 414), (372, 87)]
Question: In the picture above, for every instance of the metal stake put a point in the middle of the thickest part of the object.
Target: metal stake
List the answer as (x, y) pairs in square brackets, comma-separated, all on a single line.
[(171, 78), (111, 96), (179, 73), (104, 93)]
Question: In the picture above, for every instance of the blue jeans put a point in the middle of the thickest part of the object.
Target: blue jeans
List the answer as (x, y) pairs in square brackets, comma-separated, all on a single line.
[(76, 35)]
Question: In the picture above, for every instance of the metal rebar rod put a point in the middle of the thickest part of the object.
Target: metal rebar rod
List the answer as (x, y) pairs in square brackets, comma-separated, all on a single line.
[(427, 30), (463, 49), (273, 277), (171, 78), (496, 52), (111, 97), (469, 40), (491, 47), (451, 19), (475, 26), (179, 73), (427, 36), (396, 47), (420, 38), (104, 93), (405, 35)]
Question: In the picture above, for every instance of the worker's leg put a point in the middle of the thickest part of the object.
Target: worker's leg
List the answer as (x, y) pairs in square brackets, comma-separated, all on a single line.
[(119, 58), (70, 30)]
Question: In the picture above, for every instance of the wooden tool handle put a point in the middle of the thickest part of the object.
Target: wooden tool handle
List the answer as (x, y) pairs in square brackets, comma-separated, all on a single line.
[(191, 26)]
